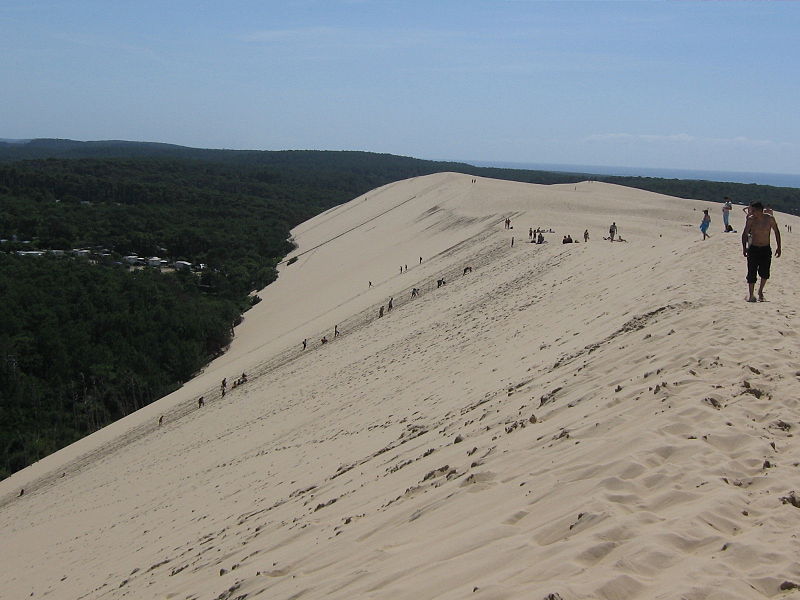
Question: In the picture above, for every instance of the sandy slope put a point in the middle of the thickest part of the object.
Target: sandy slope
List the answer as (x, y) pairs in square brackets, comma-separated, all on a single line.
[(591, 420)]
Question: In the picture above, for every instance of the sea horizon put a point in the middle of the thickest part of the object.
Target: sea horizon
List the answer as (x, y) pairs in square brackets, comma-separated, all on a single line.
[(773, 179)]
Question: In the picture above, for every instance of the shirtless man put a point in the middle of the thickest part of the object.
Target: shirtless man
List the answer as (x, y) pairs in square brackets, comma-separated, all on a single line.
[(759, 252)]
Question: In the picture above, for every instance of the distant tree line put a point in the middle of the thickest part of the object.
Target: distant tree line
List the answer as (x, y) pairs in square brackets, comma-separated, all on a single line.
[(84, 344)]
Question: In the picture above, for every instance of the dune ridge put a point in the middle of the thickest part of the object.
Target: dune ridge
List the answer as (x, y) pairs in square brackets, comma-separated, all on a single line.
[(566, 421)]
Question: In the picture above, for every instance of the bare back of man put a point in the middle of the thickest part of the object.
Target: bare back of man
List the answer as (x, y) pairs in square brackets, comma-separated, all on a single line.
[(759, 253)]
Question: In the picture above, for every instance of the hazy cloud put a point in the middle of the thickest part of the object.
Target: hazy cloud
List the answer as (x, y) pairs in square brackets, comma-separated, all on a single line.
[(682, 138), (290, 35), (94, 41)]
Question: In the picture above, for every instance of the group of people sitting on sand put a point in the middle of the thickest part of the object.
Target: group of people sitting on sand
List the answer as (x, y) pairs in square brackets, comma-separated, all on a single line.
[(533, 234)]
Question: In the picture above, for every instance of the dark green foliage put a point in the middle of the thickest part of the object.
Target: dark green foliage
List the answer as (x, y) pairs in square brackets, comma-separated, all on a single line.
[(350, 171), (82, 345)]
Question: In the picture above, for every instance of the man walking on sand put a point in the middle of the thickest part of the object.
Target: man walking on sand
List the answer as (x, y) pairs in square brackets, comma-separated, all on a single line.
[(759, 252)]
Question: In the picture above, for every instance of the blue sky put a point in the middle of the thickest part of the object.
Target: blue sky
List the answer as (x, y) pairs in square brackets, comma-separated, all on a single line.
[(692, 85)]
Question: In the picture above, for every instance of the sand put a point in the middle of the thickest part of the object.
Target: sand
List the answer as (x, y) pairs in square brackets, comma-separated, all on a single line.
[(599, 420)]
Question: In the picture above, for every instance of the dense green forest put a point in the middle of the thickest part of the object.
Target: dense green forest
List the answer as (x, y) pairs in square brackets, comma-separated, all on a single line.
[(83, 345), (86, 341)]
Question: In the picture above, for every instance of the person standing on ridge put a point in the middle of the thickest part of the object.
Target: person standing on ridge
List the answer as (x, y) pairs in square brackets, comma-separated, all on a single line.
[(726, 213), (612, 231), (758, 251)]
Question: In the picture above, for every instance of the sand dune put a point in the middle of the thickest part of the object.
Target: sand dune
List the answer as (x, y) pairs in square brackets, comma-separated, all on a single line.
[(566, 421)]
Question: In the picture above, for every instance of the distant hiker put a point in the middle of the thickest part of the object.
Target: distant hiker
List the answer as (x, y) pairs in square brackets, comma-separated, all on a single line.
[(335, 330), (200, 402), (758, 251), (370, 284), (391, 303), (467, 270), (586, 236), (726, 214), (244, 377), (224, 384), (380, 312), (530, 233), (540, 239), (305, 343), (406, 268), (420, 260), (324, 340), (21, 493), (705, 223), (612, 231), (414, 292), (440, 282), (512, 241), (401, 269), (160, 420)]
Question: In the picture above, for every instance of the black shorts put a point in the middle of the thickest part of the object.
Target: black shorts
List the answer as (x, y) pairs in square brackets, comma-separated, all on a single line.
[(759, 259)]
